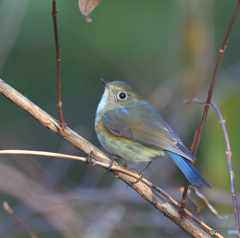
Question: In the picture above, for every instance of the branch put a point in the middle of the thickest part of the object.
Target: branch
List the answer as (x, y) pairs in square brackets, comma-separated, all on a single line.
[(79, 142), (58, 60), (199, 131), (211, 88)]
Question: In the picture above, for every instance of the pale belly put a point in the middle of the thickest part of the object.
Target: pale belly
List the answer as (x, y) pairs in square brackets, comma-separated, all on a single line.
[(128, 150)]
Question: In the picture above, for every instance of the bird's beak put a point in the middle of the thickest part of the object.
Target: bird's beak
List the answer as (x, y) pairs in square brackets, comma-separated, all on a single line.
[(106, 84)]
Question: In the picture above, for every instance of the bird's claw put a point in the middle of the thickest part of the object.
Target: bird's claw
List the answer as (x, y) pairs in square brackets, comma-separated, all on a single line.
[(112, 158)]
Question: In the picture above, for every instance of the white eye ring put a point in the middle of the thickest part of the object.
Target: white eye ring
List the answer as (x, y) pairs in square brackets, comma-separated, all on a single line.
[(122, 96)]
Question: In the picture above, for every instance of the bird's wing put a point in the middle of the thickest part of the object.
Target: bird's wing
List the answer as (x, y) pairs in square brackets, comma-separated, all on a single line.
[(146, 127)]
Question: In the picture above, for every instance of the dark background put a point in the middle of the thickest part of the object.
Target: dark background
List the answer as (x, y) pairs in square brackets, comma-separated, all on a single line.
[(167, 50)]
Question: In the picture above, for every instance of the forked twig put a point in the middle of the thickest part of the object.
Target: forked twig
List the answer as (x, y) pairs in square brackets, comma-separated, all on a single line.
[(198, 135)]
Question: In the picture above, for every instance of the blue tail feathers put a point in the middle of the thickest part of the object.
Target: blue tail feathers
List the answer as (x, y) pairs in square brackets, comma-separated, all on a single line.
[(192, 175)]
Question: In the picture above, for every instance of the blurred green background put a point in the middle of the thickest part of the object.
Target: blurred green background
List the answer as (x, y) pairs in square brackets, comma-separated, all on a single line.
[(167, 50)]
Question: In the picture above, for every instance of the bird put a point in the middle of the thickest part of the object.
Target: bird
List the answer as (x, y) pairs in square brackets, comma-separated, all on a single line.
[(129, 127)]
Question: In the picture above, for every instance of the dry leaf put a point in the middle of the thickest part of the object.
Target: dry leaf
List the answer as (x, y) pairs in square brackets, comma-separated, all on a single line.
[(87, 6)]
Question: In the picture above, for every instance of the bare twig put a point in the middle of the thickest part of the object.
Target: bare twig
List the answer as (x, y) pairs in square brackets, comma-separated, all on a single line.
[(198, 135), (76, 140), (229, 158), (58, 60), (9, 210)]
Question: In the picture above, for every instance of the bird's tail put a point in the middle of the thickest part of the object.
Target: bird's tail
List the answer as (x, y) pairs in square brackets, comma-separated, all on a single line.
[(192, 175)]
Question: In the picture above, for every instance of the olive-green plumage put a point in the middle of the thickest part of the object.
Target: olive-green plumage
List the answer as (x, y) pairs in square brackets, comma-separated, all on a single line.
[(129, 127)]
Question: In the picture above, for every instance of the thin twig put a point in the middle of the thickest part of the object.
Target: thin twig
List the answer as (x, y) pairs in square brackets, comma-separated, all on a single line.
[(9, 210), (58, 60), (229, 159), (198, 135), (116, 168)]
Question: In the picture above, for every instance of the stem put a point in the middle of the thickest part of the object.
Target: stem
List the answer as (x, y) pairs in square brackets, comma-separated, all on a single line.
[(229, 160), (58, 60), (230, 168)]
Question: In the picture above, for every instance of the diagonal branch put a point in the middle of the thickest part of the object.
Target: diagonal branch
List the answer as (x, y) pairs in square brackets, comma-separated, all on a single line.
[(76, 140), (211, 88)]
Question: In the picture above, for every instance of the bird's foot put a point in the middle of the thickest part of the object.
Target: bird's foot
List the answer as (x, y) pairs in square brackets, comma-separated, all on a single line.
[(112, 158), (141, 174), (89, 159)]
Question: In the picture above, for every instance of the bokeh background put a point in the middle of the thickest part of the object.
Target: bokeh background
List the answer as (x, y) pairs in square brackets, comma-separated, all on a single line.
[(167, 50)]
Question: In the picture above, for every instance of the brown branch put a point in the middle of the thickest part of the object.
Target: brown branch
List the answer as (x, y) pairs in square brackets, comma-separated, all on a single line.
[(58, 60), (198, 135), (76, 140)]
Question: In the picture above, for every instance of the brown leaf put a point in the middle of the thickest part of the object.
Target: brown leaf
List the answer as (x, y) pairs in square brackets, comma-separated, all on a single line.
[(87, 6)]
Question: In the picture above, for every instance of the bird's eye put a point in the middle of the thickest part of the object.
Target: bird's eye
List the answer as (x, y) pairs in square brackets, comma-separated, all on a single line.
[(122, 95)]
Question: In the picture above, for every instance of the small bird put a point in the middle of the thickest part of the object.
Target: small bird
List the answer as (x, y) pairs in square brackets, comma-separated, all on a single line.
[(128, 127)]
